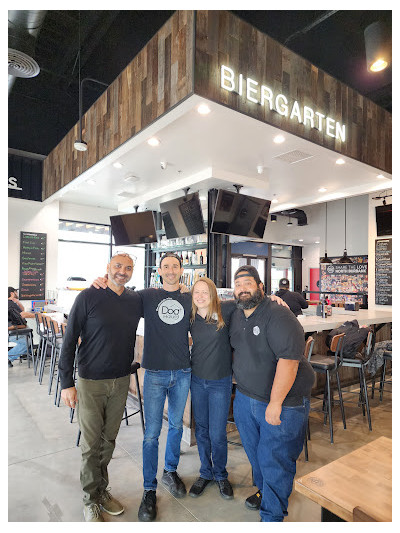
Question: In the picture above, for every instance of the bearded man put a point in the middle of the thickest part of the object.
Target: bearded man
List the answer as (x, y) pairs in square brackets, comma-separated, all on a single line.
[(272, 400)]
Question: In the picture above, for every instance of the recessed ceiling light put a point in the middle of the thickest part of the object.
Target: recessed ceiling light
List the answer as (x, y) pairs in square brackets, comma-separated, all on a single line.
[(316, 242), (203, 109), (90, 181), (301, 240), (322, 189), (274, 199), (380, 176), (131, 178), (340, 161), (153, 141), (260, 169), (117, 164), (279, 139)]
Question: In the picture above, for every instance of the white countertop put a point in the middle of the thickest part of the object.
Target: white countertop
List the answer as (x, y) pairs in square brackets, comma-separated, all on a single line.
[(365, 317)]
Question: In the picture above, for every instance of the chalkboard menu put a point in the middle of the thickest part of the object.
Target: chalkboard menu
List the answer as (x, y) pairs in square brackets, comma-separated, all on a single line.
[(383, 271), (32, 273)]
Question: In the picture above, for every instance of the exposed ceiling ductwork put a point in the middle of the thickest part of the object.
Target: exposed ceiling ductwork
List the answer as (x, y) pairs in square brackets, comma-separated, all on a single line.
[(23, 29), (294, 213)]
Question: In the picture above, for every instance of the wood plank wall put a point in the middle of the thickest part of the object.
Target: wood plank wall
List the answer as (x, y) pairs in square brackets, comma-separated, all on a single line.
[(223, 39), (159, 77)]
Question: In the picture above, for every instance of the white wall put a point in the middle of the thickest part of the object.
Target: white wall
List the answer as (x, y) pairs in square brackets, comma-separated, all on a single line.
[(311, 255), (25, 215), (372, 236), (86, 213)]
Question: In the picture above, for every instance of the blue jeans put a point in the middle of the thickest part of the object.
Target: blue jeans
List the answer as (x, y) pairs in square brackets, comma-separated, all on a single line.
[(211, 399), (272, 450), (19, 349), (157, 385)]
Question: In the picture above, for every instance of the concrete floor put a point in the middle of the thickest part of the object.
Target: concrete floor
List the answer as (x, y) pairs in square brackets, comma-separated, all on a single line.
[(43, 472)]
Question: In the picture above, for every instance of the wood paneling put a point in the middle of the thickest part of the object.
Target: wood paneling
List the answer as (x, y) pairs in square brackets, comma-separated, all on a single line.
[(158, 78), (223, 39)]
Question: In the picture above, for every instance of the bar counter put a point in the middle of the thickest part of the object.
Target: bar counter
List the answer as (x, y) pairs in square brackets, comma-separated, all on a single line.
[(365, 317)]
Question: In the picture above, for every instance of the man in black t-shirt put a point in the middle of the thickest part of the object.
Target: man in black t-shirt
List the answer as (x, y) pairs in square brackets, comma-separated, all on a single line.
[(166, 359), (295, 301), (273, 390), (106, 323)]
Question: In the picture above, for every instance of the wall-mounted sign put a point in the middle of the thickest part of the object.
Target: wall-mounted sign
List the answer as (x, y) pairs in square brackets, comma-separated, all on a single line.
[(13, 184), (32, 273), (383, 271), (263, 95), (345, 278)]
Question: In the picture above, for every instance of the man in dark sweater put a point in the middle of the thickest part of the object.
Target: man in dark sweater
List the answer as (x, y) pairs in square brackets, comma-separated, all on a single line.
[(272, 399), (295, 301), (106, 323)]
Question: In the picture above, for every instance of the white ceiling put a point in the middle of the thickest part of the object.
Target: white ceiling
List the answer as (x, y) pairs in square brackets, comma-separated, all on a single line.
[(218, 150)]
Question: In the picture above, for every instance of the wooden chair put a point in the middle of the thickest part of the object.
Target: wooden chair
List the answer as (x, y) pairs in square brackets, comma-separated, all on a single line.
[(329, 365)]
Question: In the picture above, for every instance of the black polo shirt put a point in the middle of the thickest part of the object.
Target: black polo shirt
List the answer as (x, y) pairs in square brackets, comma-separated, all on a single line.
[(166, 326), (106, 323), (211, 355), (270, 333)]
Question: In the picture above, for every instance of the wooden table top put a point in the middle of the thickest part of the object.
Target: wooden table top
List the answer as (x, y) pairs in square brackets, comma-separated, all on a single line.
[(362, 478)]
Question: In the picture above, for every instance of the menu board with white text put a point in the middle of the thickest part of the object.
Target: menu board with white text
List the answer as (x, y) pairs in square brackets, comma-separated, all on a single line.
[(32, 273), (383, 271)]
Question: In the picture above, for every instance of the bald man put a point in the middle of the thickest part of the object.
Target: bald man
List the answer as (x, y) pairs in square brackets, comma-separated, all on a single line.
[(106, 322)]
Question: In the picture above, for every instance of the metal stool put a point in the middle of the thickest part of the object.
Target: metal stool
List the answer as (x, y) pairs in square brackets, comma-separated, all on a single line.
[(307, 354), (41, 334), (56, 341), (328, 365), (134, 369), (361, 364), (387, 356)]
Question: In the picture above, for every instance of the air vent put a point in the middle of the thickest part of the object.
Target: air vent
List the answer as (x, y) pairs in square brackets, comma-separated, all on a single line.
[(293, 157), (21, 65), (126, 194)]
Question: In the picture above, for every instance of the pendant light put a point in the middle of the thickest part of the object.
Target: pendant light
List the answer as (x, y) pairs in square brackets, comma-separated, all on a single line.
[(345, 258), (377, 46), (326, 258)]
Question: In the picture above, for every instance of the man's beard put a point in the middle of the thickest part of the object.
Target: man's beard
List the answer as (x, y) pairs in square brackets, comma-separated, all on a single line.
[(251, 302)]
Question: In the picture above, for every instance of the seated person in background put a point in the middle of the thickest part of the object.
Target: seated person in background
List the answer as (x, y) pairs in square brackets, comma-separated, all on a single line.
[(15, 322), (16, 304), (294, 300)]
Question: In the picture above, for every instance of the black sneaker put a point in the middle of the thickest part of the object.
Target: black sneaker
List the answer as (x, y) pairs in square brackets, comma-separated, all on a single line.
[(174, 484), (10, 364), (198, 486), (147, 510), (253, 502), (225, 488)]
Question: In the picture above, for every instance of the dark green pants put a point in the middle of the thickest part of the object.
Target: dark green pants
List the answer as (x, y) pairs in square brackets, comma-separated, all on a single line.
[(100, 408)]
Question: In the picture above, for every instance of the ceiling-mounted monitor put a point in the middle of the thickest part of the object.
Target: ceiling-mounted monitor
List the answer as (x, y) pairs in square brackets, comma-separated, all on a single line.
[(383, 220), (183, 216), (239, 214), (135, 228)]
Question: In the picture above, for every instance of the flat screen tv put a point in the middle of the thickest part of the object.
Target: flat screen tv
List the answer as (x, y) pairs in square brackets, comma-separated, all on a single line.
[(383, 220), (239, 214), (182, 216), (135, 228)]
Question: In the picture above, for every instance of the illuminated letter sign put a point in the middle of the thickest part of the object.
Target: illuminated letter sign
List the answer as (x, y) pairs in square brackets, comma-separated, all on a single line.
[(254, 92)]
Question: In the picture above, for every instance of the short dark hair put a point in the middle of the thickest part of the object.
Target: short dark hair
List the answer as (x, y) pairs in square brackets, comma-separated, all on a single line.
[(10, 290), (248, 270), (171, 254)]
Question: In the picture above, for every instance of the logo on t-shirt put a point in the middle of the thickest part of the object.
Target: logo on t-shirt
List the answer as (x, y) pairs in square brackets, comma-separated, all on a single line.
[(256, 330), (170, 311)]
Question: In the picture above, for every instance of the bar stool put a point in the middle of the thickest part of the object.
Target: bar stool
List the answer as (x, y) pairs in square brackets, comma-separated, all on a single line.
[(361, 364), (27, 333), (41, 334), (134, 368), (56, 341), (307, 354), (387, 356), (45, 344), (329, 364)]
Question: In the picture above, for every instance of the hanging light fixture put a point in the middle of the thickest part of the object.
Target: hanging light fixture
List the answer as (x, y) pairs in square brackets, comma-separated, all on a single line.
[(80, 144), (326, 258), (377, 46), (345, 258)]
